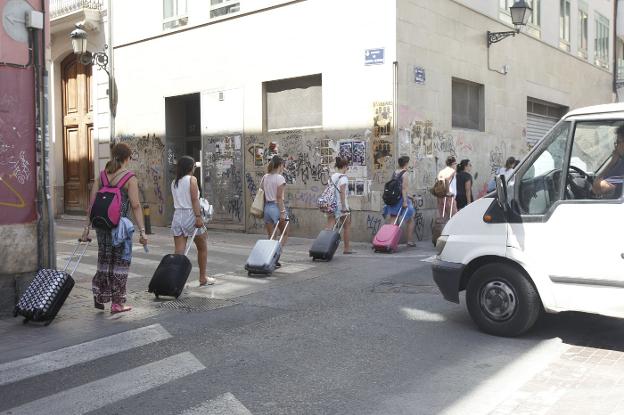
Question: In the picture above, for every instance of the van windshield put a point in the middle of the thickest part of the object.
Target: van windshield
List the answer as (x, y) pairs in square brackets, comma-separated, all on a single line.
[(593, 169)]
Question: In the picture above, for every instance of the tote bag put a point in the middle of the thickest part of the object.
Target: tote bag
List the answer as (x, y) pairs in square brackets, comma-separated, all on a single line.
[(257, 207)]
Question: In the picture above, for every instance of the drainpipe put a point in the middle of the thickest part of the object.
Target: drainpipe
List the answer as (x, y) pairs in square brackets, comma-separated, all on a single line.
[(112, 94), (39, 149), (395, 99), (51, 257), (615, 57)]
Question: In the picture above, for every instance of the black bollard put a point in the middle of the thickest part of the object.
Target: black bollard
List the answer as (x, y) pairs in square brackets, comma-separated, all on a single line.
[(146, 218)]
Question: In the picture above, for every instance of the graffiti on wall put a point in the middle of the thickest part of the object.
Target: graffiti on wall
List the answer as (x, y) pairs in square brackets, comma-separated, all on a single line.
[(148, 163), (17, 147), (223, 177)]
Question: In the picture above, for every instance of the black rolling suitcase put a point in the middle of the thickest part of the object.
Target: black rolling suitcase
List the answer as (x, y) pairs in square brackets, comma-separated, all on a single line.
[(47, 292), (326, 243), (174, 269)]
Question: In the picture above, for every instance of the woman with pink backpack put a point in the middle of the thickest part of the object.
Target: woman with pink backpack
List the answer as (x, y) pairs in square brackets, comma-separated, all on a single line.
[(116, 190)]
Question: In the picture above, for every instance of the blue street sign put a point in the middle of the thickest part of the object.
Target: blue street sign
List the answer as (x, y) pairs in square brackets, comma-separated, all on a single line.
[(374, 56), (419, 75)]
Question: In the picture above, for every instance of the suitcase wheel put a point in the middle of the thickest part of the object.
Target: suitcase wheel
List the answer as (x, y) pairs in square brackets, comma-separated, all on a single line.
[(313, 259), (25, 321), (47, 323), (15, 312), (157, 297)]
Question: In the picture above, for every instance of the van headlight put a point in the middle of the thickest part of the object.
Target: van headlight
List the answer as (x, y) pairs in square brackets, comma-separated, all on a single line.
[(441, 243)]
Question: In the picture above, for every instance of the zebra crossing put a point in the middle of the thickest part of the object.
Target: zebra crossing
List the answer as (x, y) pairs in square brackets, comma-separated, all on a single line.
[(108, 390)]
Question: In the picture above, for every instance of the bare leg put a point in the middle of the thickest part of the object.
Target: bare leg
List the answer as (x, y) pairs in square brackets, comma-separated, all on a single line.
[(282, 225), (269, 229), (410, 231), (202, 256), (331, 222), (180, 244), (347, 234)]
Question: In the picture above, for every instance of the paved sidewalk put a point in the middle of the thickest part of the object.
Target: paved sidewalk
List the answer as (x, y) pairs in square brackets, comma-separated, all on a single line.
[(227, 252)]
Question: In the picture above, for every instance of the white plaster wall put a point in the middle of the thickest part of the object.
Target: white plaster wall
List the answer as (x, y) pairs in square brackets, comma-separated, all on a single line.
[(550, 20), (298, 39), (448, 40)]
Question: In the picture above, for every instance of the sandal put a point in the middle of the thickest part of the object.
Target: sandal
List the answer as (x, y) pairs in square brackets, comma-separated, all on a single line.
[(348, 252), (207, 281), (118, 308), (411, 244)]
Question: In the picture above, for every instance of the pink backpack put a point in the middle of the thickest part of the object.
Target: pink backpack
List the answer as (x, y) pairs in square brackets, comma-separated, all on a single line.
[(106, 208)]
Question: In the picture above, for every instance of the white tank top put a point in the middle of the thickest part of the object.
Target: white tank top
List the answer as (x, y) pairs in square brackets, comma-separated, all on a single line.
[(182, 193)]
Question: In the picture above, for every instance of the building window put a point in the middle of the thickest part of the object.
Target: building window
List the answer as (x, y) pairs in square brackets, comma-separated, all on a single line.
[(583, 30), (468, 106), (293, 103), (602, 42), (174, 13), (564, 24), (220, 8), (533, 25)]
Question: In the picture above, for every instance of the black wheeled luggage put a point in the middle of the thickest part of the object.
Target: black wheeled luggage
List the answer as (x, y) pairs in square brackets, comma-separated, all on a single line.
[(174, 269), (265, 254), (326, 243), (48, 291)]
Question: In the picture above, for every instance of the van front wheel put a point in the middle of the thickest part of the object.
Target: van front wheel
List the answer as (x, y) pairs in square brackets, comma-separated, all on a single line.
[(501, 300)]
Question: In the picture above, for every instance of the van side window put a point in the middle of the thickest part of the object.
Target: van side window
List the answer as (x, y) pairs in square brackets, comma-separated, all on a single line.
[(541, 185), (596, 169)]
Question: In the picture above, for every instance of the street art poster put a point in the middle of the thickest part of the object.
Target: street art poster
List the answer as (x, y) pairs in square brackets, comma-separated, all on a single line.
[(355, 152), (382, 152), (382, 118)]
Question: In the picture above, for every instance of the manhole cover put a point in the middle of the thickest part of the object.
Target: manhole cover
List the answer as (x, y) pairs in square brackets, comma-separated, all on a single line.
[(194, 304), (389, 287)]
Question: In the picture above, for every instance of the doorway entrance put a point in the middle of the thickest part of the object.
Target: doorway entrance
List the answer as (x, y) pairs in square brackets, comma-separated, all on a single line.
[(78, 167)]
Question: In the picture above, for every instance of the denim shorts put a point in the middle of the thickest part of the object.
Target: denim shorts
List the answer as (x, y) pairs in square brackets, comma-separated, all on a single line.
[(271, 213)]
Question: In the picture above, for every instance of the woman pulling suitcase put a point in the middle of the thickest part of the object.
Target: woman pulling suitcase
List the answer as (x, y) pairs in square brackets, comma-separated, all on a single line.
[(187, 218), (341, 182), (114, 250)]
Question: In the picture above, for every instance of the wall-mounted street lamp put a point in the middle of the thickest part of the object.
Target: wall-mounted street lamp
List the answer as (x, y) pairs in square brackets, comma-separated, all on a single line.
[(79, 45), (520, 13)]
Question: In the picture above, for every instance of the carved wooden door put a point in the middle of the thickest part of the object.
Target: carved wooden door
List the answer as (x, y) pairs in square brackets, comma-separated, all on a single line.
[(77, 135)]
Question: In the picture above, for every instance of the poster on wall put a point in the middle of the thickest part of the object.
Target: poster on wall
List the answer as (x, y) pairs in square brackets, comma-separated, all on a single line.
[(382, 118), (355, 152)]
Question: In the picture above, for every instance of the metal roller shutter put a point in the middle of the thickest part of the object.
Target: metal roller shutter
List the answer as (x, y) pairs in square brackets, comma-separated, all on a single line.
[(537, 127)]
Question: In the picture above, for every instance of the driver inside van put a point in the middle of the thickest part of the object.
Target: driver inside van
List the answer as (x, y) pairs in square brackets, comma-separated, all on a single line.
[(609, 182)]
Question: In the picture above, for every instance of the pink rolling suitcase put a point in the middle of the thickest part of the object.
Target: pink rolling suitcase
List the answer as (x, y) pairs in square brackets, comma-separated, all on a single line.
[(388, 236)]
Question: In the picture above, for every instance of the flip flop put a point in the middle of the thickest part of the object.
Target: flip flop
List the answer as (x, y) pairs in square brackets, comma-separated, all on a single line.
[(348, 252), (118, 308)]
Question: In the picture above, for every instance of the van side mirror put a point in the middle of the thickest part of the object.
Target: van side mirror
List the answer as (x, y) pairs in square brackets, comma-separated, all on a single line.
[(501, 192)]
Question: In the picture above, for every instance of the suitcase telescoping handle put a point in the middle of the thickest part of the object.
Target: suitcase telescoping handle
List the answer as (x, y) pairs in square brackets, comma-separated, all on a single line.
[(282, 234), (85, 244), (399, 214), (189, 242), (342, 221)]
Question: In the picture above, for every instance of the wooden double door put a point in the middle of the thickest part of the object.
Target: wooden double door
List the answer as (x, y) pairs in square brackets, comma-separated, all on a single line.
[(78, 154)]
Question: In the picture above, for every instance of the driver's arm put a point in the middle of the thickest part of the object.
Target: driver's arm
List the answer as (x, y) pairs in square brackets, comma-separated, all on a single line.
[(600, 185)]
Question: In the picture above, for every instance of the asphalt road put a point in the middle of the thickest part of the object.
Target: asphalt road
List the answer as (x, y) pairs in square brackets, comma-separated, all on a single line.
[(363, 334)]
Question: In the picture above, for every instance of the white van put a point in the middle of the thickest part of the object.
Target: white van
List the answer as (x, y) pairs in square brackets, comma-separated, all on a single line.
[(550, 239)]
